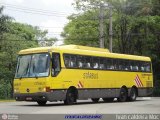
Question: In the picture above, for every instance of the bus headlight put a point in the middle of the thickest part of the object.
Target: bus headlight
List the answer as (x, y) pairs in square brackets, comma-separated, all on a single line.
[(16, 90), (44, 89)]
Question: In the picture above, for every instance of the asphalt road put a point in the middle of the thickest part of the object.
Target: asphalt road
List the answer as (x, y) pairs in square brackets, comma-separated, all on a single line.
[(142, 105)]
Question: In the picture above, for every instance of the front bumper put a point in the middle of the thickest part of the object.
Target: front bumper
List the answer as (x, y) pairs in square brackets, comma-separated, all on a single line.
[(41, 96)]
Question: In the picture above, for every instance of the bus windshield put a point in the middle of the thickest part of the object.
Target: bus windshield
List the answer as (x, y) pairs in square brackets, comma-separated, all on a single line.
[(35, 65)]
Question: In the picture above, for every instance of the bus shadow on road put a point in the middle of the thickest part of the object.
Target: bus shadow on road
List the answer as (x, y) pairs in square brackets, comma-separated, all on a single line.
[(51, 104)]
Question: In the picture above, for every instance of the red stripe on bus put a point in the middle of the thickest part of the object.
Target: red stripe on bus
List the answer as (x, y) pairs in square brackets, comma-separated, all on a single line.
[(137, 82), (140, 80), (81, 84)]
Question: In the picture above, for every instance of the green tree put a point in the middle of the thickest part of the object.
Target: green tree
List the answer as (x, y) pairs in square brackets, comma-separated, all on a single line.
[(14, 37), (3, 28), (19, 36), (3, 21), (82, 30), (156, 7), (135, 27), (48, 42), (3, 24)]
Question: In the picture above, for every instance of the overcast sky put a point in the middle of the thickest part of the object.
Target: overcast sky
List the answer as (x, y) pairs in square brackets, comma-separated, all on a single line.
[(48, 14)]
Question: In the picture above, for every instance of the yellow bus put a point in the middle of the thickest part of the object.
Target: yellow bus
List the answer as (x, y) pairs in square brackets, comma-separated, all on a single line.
[(71, 72)]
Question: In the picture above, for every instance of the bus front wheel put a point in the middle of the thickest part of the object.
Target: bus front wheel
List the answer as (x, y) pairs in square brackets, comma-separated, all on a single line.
[(95, 100), (70, 98), (41, 103), (108, 99)]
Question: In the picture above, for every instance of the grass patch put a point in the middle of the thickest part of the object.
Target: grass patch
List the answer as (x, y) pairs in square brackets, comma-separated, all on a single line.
[(7, 100)]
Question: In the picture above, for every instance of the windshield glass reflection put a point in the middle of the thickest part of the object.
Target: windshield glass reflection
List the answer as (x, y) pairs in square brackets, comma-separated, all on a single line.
[(36, 65)]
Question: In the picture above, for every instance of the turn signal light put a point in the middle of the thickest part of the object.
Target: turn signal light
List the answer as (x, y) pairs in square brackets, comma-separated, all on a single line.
[(48, 89)]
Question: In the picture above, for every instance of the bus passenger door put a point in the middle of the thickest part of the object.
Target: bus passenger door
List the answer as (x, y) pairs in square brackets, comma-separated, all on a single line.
[(56, 65), (55, 70)]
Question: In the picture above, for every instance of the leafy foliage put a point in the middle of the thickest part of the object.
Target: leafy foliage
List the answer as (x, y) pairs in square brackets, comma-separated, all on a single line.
[(136, 27), (81, 30), (14, 37)]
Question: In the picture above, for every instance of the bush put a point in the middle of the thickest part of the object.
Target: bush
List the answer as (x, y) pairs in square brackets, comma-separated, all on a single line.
[(156, 92), (5, 91)]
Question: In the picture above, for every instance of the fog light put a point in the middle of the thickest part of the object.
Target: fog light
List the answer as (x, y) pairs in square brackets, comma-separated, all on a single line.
[(44, 89), (15, 90)]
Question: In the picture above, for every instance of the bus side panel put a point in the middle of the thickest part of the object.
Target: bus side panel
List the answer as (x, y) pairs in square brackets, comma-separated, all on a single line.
[(100, 83)]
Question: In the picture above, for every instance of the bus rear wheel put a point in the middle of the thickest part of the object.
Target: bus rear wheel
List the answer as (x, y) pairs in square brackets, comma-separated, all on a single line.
[(95, 100), (70, 98), (133, 94), (123, 95), (41, 103)]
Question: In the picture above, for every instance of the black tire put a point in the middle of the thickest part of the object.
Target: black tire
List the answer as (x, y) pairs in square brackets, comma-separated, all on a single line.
[(95, 100), (41, 103), (70, 98), (123, 95), (133, 94), (108, 99)]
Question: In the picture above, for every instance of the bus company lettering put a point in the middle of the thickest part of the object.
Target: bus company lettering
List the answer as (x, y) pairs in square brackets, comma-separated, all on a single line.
[(17, 84), (39, 83), (89, 75)]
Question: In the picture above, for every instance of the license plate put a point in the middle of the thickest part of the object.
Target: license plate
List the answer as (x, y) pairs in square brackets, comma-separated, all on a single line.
[(28, 98)]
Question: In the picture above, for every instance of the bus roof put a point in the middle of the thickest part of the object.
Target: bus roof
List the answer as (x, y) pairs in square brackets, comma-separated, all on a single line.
[(83, 50)]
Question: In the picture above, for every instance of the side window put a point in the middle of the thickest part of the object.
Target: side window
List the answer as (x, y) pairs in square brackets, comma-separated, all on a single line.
[(80, 62), (147, 67), (70, 61), (102, 63), (142, 66), (134, 66), (136, 63), (127, 65), (121, 65), (56, 66), (109, 64), (88, 62), (73, 63), (115, 64), (67, 60), (95, 63)]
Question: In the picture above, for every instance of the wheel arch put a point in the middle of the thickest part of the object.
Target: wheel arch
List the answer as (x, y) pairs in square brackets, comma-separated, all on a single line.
[(74, 90), (125, 88)]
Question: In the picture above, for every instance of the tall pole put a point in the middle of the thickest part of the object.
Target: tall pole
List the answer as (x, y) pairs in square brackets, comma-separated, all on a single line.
[(110, 28), (101, 26)]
